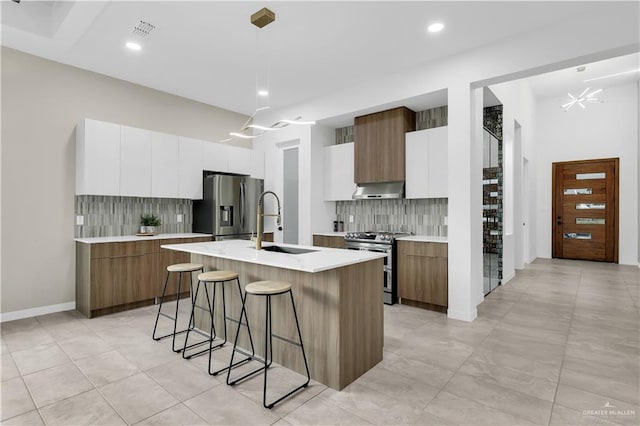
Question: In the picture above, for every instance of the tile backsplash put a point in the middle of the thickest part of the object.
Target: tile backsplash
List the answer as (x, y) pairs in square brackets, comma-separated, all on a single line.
[(106, 216), (422, 217)]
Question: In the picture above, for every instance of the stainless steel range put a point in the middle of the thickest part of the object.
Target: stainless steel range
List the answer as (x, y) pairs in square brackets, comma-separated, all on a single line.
[(382, 242)]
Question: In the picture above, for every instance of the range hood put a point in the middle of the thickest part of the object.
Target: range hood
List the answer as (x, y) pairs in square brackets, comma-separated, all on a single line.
[(379, 190)]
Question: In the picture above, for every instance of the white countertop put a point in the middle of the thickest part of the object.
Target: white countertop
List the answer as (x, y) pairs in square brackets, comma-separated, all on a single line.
[(331, 234), (321, 259), (425, 239), (126, 238)]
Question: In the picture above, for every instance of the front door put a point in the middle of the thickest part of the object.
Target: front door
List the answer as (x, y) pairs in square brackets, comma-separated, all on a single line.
[(585, 210)]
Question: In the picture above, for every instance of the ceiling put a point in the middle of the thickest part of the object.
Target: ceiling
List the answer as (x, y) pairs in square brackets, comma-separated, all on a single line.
[(208, 50)]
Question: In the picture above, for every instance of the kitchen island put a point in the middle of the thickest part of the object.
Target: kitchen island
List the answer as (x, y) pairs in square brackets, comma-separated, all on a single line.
[(338, 296)]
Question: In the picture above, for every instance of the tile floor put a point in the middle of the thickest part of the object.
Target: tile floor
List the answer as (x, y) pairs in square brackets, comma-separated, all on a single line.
[(559, 344)]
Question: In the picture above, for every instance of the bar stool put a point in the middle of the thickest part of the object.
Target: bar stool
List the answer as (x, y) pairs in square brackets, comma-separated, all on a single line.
[(214, 277), (268, 289), (180, 268)]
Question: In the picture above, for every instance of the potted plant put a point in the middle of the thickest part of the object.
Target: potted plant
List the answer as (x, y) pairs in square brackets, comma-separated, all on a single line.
[(148, 223)]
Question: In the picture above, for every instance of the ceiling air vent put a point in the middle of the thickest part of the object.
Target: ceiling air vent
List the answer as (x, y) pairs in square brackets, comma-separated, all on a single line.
[(143, 29)]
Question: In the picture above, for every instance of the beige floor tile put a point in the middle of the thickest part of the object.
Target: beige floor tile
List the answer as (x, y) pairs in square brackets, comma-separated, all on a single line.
[(8, 369), (28, 338), (57, 318), (84, 346), (182, 379), (56, 383), (149, 354), (18, 326), (511, 379), (414, 369), (39, 358), (584, 401), (462, 411), (627, 389), (236, 409), (176, 415), (137, 397), (4, 349), (321, 411), (488, 393), (15, 399), (447, 354), (106, 368), (566, 416), (88, 408), (533, 365), (70, 330), (32, 418)]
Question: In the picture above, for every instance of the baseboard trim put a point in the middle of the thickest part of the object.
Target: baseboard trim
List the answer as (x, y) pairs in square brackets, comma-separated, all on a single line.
[(508, 278), (462, 315), (34, 312)]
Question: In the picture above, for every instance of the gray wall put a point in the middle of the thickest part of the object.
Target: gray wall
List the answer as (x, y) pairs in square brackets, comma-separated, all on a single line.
[(42, 101)]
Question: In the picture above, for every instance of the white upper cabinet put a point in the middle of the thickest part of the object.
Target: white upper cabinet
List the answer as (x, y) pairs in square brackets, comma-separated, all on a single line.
[(215, 157), (97, 158), (338, 172), (190, 168), (257, 164), (239, 160), (135, 162), (427, 163), (438, 162), (165, 163)]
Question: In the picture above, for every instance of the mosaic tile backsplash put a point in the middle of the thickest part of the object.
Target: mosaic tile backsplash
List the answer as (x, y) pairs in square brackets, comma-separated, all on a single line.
[(421, 217), (106, 216)]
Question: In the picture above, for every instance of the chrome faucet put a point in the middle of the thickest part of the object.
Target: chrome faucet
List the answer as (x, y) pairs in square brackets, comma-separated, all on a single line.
[(261, 215)]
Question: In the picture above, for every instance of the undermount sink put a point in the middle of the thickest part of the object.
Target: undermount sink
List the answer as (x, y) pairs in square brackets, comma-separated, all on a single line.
[(287, 250)]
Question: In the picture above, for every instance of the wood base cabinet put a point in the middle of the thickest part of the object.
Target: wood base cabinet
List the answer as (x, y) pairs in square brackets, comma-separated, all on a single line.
[(113, 277), (423, 274), (328, 241)]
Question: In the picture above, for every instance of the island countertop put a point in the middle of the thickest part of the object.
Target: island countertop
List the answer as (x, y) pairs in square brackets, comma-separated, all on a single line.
[(320, 259)]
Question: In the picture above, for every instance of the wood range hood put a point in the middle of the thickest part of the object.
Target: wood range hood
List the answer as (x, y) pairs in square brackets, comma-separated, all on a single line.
[(379, 169)]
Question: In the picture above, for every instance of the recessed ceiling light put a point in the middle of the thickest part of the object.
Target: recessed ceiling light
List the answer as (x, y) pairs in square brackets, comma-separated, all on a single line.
[(133, 46), (263, 92), (435, 27), (582, 68)]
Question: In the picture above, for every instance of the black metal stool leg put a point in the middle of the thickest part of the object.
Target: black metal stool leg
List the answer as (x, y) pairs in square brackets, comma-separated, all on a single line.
[(164, 290)]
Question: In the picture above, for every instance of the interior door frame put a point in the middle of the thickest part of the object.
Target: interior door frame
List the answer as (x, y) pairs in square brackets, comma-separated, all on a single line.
[(556, 202)]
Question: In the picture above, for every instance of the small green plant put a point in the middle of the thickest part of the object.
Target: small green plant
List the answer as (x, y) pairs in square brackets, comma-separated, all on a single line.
[(149, 220)]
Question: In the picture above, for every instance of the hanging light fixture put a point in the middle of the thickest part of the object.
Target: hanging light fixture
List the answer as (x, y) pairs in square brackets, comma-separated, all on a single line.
[(582, 99), (249, 130)]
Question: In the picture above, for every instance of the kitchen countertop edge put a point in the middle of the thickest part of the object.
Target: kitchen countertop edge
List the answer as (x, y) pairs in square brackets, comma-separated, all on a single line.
[(128, 238), (425, 239)]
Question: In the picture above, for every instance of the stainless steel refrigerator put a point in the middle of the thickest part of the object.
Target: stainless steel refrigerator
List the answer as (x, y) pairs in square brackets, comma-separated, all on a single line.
[(228, 208)]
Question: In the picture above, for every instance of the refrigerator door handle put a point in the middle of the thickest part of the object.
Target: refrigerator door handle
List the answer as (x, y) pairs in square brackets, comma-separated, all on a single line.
[(242, 204)]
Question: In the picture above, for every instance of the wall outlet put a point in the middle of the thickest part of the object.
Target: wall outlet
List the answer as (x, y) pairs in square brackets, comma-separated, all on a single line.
[(350, 218), (79, 220), (179, 218), (446, 220)]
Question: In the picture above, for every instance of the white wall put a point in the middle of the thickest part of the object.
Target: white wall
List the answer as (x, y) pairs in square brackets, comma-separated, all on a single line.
[(554, 47), (42, 101), (602, 130)]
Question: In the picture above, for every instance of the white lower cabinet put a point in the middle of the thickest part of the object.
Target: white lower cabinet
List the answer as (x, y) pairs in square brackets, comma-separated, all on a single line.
[(338, 172), (165, 163), (135, 162), (427, 163), (97, 158), (190, 168)]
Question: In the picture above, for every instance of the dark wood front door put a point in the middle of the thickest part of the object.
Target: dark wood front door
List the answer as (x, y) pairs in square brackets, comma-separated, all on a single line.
[(585, 210)]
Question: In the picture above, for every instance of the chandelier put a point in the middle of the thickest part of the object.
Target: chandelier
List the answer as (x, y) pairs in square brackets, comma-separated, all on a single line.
[(249, 130), (582, 99)]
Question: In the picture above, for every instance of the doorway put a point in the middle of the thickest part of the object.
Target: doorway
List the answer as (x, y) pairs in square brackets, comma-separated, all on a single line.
[(585, 210), (290, 197)]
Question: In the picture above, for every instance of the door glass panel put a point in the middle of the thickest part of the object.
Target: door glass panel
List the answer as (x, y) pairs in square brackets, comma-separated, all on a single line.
[(493, 194), (577, 235), (590, 206), (589, 221), (490, 182), (578, 191), (583, 176)]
